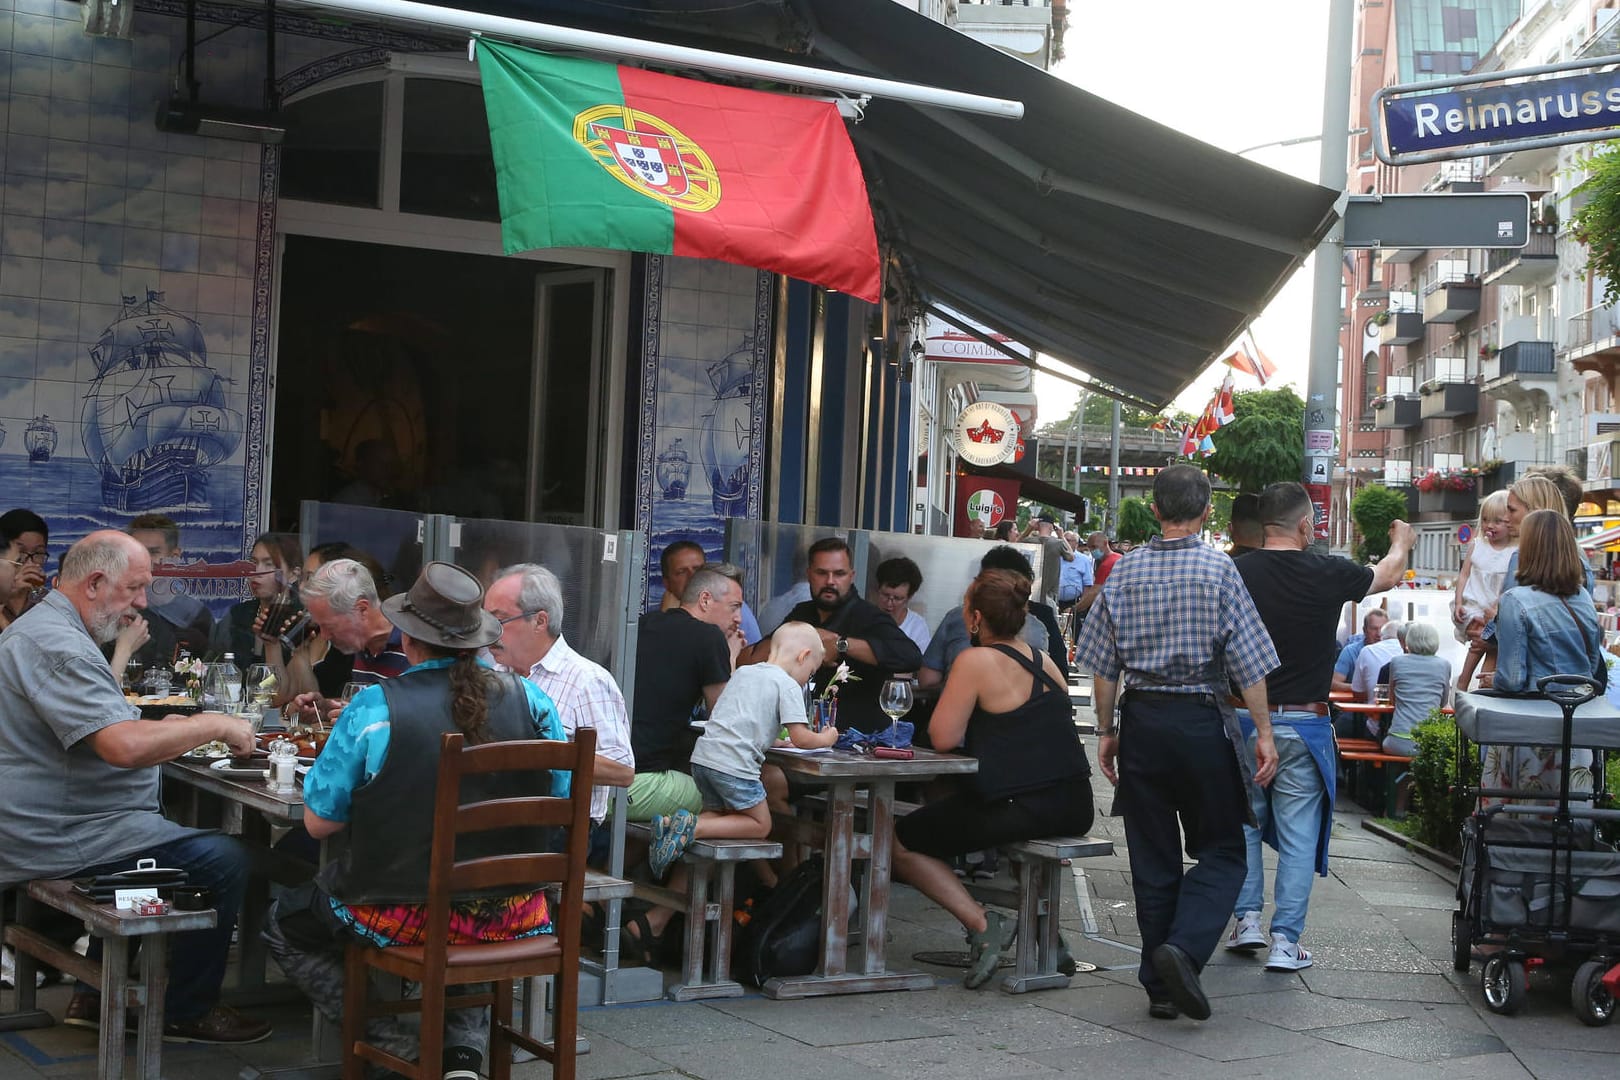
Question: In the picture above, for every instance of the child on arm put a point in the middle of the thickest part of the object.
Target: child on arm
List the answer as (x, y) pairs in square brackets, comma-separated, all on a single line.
[(757, 703), (1479, 585)]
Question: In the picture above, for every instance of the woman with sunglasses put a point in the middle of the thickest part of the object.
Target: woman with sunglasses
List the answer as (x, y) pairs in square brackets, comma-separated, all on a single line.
[(23, 535)]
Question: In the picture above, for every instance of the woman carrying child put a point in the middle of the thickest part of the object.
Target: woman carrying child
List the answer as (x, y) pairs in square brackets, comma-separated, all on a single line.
[(1480, 583), (1005, 704)]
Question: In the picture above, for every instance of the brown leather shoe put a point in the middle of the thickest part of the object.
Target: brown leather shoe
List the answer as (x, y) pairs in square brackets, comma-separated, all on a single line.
[(221, 1024)]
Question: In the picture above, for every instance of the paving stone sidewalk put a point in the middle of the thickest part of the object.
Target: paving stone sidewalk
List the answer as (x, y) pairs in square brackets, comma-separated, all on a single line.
[(1381, 1002)]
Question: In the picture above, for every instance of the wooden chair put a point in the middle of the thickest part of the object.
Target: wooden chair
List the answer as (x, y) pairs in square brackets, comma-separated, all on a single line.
[(438, 964)]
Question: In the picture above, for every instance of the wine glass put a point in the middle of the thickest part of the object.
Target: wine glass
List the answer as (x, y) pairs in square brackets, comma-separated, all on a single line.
[(895, 698), (261, 684)]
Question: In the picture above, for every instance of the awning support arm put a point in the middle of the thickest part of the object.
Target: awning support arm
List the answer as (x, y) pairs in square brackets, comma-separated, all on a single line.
[(1066, 376), (568, 37)]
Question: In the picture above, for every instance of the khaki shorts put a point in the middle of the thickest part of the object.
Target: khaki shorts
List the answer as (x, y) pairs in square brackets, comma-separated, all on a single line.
[(662, 793)]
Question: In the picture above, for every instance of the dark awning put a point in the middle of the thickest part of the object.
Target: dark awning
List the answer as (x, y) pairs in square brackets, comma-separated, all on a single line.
[(1030, 487), (1092, 234), (1084, 230)]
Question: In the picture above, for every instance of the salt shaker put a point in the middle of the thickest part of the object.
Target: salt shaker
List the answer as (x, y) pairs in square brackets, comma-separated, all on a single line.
[(283, 766)]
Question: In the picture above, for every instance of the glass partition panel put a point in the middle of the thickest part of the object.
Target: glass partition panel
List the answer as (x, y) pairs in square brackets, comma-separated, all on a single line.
[(393, 537), (947, 563), (772, 557), (589, 564), (1432, 606)]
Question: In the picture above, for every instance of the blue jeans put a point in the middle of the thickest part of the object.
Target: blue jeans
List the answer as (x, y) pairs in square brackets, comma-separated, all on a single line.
[(214, 862), (1295, 806)]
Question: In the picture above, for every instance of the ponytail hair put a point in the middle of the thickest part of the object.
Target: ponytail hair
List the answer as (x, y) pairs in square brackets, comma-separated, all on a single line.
[(471, 686)]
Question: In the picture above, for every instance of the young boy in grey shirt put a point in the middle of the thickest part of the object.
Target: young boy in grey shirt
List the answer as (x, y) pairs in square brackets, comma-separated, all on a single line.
[(757, 703)]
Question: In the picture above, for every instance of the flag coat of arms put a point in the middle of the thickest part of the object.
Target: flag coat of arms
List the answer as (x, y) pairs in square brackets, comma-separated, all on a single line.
[(590, 154)]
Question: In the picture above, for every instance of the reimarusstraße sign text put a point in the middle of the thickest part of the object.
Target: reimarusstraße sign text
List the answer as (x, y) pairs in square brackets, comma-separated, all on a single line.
[(1419, 120)]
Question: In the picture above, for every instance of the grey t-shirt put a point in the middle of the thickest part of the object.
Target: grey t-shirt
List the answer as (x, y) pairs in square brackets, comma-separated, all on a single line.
[(756, 703), (65, 809), (1418, 684)]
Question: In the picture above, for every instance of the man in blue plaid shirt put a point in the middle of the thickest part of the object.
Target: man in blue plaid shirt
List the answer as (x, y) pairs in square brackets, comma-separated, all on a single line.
[(1174, 627)]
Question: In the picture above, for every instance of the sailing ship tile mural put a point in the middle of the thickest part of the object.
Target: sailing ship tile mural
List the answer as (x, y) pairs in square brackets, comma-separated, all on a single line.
[(127, 300), (703, 403)]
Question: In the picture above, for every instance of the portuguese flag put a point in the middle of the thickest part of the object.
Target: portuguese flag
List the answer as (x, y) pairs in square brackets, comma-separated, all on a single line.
[(589, 154)]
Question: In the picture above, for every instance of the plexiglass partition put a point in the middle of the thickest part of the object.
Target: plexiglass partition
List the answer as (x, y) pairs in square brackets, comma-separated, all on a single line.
[(947, 563), (400, 541), (773, 557), (592, 566)]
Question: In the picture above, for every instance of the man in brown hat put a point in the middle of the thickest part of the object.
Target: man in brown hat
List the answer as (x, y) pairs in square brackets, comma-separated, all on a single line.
[(369, 780)]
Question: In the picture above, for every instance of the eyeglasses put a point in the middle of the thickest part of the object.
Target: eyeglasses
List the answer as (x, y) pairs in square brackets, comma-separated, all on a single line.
[(519, 615), (37, 558)]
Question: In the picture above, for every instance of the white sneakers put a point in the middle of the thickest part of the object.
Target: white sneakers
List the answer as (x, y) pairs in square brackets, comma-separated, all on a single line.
[(1286, 955), (1247, 935)]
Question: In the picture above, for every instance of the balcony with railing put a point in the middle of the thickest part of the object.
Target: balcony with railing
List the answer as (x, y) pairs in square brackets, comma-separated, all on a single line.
[(1592, 340), (1401, 328), (1398, 406), (1533, 264), (1451, 300), (1448, 392)]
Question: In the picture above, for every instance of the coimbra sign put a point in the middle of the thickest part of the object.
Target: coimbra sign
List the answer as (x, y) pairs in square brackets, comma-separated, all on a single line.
[(1438, 121)]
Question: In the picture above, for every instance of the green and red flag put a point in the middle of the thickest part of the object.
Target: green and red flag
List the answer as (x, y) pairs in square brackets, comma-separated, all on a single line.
[(589, 154)]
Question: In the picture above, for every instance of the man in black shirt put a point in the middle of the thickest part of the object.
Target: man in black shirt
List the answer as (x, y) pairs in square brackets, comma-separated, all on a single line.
[(683, 656), (1300, 595), (853, 631)]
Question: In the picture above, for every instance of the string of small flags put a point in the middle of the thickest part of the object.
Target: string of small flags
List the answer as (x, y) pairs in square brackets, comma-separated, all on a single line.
[(1197, 437)]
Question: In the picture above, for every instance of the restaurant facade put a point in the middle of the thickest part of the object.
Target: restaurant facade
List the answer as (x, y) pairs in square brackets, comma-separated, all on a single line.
[(201, 320)]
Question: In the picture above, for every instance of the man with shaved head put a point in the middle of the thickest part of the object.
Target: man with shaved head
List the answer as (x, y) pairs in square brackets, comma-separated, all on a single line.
[(82, 776)]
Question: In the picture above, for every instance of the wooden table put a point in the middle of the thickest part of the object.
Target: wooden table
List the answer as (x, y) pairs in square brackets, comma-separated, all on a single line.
[(1339, 697), (844, 773), (1369, 708)]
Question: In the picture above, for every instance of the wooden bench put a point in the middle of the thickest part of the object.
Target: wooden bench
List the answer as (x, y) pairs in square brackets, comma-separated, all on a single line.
[(711, 871), (1038, 901), (1377, 759), (119, 993)]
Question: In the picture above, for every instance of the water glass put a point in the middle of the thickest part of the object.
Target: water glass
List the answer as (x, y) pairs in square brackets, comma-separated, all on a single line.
[(1381, 694)]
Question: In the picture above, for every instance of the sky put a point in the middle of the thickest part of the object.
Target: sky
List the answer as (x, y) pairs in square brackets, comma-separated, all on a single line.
[(1235, 75)]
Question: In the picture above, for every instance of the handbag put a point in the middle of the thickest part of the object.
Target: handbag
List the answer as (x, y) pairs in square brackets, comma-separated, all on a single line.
[(147, 875)]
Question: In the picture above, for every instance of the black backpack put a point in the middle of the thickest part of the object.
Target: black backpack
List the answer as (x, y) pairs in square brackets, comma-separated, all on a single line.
[(783, 936)]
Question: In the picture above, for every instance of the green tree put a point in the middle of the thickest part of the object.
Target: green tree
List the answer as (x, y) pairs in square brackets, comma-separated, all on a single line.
[(1264, 444), (1373, 508), (1597, 223), (1136, 521)]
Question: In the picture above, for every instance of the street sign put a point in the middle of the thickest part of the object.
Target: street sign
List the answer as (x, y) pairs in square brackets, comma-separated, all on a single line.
[(1484, 220), (1549, 105)]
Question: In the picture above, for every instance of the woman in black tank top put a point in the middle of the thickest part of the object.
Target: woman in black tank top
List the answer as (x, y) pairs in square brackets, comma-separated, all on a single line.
[(1033, 778)]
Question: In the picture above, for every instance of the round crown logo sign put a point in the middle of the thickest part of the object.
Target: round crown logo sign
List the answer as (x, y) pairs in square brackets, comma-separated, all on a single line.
[(986, 434), (987, 507), (649, 156)]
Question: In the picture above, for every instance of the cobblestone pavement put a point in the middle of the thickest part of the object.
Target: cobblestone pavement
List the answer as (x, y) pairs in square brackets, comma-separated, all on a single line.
[(1381, 1002)]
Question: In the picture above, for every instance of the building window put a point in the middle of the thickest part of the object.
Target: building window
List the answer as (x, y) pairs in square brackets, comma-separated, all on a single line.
[(1369, 382)]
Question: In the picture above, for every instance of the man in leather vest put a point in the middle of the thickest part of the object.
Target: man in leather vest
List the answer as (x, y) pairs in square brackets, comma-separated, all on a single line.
[(374, 780)]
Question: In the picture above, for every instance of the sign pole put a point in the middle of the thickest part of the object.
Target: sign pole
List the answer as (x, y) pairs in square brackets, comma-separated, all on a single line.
[(1322, 388), (1113, 476)]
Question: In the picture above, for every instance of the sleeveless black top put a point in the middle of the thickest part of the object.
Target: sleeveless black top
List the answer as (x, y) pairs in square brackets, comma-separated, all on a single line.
[(1031, 747)]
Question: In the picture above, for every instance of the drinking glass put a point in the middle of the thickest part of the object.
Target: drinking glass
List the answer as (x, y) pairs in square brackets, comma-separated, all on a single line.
[(261, 684), (895, 698), (351, 689), (1381, 694)]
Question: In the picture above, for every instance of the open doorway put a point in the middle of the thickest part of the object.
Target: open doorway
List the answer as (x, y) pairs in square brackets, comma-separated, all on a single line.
[(435, 381)]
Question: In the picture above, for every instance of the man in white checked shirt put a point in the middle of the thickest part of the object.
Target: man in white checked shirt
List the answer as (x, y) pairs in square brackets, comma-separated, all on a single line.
[(527, 601)]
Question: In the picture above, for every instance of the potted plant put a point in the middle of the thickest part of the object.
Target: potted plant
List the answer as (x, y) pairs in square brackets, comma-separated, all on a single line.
[(1382, 318)]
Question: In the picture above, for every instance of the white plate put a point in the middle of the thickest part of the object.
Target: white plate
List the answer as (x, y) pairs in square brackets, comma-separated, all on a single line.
[(224, 767)]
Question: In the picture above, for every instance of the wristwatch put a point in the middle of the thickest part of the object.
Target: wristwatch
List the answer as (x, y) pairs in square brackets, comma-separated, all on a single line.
[(842, 645)]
